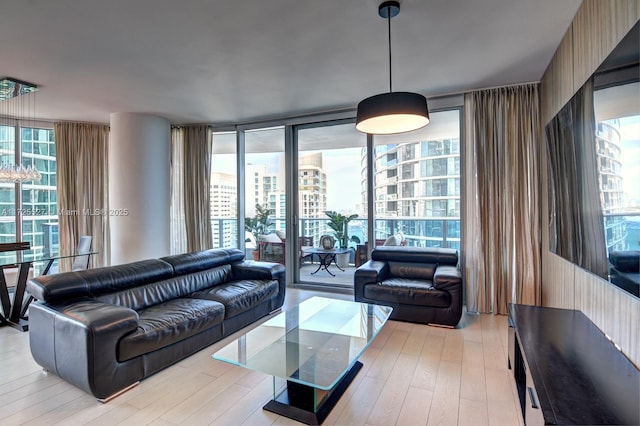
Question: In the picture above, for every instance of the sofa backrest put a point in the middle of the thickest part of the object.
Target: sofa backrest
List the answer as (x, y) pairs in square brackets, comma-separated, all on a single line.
[(412, 270), (201, 260), (94, 282), (154, 293), (414, 262), (139, 284)]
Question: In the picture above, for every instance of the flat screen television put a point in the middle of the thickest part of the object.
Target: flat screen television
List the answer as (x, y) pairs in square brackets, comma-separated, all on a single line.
[(593, 152)]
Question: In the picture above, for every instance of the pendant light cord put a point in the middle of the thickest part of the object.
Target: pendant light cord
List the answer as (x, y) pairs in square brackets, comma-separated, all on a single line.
[(389, 32)]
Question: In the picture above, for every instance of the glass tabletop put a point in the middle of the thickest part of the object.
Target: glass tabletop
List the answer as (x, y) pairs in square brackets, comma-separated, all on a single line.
[(314, 343), (33, 256)]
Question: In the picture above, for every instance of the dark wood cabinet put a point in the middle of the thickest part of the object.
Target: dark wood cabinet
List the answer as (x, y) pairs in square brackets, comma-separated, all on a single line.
[(567, 371)]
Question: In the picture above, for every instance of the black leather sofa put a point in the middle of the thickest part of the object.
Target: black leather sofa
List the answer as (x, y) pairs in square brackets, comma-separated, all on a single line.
[(423, 285), (105, 329)]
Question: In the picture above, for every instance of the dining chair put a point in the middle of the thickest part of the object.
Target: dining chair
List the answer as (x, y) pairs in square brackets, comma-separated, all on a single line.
[(80, 263)]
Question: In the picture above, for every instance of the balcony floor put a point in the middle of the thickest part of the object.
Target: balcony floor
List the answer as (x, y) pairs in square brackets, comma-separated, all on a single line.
[(342, 279)]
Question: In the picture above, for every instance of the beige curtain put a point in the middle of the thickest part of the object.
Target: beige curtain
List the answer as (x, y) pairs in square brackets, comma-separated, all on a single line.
[(191, 180), (502, 206), (82, 188)]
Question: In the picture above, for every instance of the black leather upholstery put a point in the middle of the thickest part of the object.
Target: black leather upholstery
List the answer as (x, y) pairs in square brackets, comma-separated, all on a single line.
[(421, 284), (239, 296), (169, 322), (93, 282), (104, 329)]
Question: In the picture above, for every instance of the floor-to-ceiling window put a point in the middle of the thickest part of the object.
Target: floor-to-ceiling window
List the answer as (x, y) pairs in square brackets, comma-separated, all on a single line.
[(33, 216), (330, 178), (264, 193), (224, 190), (415, 190), (417, 184)]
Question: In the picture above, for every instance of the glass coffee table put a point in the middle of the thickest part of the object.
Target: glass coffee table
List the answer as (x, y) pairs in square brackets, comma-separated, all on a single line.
[(315, 347)]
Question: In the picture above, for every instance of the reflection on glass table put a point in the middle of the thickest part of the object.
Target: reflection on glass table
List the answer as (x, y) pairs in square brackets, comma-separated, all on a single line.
[(315, 347), (14, 309)]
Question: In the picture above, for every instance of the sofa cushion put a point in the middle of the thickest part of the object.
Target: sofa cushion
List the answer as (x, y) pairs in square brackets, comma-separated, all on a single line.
[(409, 292), (240, 296), (420, 271), (269, 238), (167, 323), (392, 241)]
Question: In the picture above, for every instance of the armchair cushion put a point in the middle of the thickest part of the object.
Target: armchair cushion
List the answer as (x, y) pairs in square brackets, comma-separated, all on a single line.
[(408, 291), (269, 238)]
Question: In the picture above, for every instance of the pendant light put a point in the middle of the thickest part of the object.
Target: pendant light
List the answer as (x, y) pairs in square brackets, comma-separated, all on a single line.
[(393, 112)]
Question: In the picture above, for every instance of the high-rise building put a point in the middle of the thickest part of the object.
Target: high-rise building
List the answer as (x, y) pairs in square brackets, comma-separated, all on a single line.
[(312, 198), (610, 182), (36, 217), (267, 189), (224, 209), (415, 181)]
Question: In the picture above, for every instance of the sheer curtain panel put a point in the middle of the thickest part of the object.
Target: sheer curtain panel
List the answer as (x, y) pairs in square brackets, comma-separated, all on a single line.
[(178, 228), (190, 185), (502, 219), (82, 185)]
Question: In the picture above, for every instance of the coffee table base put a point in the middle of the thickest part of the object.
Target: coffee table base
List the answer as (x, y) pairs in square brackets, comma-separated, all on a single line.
[(298, 409)]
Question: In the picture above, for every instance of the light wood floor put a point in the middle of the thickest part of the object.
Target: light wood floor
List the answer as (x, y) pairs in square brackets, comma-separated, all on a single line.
[(412, 375)]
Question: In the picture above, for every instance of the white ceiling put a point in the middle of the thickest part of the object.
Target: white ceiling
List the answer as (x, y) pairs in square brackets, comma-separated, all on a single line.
[(228, 61)]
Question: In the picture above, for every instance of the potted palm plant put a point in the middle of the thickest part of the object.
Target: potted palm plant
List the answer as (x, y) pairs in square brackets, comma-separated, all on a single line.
[(339, 223), (258, 225)]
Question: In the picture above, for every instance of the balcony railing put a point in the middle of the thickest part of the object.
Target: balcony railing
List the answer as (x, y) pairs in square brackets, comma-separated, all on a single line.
[(417, 232), (623, 231)]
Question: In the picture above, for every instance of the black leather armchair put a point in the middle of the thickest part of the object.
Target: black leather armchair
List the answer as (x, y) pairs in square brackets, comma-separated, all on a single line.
[(422, 285)]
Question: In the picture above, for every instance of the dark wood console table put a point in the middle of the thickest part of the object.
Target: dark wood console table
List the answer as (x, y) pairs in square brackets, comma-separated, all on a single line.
[(567, 371)]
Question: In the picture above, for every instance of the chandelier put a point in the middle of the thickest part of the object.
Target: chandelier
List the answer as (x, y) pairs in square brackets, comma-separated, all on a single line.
[(18, 110), (17, 173)]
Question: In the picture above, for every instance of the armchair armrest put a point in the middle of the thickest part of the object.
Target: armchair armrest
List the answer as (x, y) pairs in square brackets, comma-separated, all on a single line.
[(79, 341), (372, 271), (447, 278)]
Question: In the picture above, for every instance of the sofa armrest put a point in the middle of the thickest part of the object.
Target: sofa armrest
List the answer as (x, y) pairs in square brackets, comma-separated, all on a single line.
[(79, 342), (257, 270), (372, 271), (447, 278)]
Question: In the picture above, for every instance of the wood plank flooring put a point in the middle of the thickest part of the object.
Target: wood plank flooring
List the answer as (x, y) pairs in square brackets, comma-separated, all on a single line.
[(413, 375)]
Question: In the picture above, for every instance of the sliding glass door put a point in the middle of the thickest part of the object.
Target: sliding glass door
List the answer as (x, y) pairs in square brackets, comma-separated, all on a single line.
[(283, 189), (265, 195), (332, 187)]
